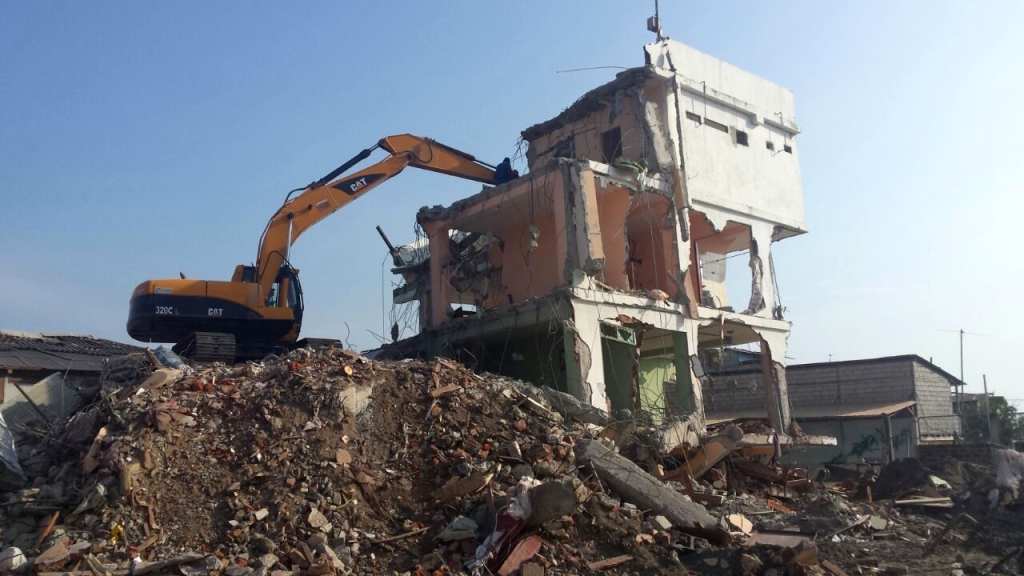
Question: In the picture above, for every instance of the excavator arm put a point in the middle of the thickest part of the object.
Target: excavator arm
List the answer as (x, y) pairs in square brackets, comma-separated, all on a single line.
[(325, 196)]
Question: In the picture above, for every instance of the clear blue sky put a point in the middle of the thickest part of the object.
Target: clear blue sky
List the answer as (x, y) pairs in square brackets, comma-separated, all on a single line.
[(142, 139)]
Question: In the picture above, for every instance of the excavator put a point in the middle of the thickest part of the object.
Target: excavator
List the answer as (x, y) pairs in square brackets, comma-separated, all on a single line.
[(260, 310)]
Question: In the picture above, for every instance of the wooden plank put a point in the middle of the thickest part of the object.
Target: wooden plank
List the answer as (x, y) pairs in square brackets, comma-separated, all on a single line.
[(401, 536), (706, 498), (49, 528), (525, 549), (444, 390), (832, 568), (915, 501), (776, 505), (463, 487), (609, 562), (142, 547)]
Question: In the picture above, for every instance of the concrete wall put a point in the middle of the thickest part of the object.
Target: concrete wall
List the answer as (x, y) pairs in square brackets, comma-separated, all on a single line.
[(722, 172), (583, 138), (934, 407), (819, 384), (858, 441)]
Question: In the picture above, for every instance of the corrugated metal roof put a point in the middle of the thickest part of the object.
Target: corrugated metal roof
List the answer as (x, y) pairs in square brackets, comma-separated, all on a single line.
[(28, 351), (825, 412)]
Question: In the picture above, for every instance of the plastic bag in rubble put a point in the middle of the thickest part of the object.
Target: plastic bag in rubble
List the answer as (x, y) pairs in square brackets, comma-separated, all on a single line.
[(8, 455), (519, 503), (509, 523), (1009, 470), (167, 357)]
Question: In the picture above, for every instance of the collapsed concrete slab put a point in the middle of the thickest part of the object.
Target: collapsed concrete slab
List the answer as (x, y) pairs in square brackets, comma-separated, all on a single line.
[(647, 492)]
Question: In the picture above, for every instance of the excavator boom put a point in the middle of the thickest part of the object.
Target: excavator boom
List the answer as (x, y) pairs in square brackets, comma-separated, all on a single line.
[(260, 309), (325, 196)]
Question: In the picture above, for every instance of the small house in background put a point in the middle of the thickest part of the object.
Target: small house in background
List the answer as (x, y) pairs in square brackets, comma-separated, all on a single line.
[(877, 408), (50, 369)]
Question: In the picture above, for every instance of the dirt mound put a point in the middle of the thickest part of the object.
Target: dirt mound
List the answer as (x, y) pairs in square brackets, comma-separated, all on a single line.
[(321, 461), (326, 462)]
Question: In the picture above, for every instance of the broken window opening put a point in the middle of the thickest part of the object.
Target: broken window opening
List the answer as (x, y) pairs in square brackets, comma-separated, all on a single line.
[(663, 375), (611, 144), (650, 247), (695, 117), (726, 279), (716, 125), (619, 356), (741, 138), (473, 274)]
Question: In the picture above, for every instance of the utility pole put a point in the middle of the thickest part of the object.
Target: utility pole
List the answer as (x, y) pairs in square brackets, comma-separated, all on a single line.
[(988, 412), (960, 388)]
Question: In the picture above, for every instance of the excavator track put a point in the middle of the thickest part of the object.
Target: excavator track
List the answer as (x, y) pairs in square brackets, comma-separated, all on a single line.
[(208, 347)]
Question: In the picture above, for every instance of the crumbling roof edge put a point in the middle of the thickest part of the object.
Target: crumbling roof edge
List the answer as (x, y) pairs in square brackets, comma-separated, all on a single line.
[(437, 212), (903, 357), (851, 411), (590, 102)]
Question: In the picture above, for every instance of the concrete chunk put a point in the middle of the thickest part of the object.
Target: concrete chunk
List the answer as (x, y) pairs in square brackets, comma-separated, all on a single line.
[(574, 408), (640, 488)]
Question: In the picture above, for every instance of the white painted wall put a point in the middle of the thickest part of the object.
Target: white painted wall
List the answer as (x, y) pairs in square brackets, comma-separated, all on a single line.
[(749, 180)]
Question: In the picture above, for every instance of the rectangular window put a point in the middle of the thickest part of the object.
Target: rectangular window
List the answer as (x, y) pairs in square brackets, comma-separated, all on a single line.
[(787, 148), (611, 145), (716, 125), (741, 138), (770, 145), (694, 117)]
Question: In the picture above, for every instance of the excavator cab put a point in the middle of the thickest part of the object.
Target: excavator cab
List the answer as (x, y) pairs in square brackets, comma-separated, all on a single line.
[(287, 291)]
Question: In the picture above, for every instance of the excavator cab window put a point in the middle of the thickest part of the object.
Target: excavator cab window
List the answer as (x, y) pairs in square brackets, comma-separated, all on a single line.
[(275, 292), (288, 283)]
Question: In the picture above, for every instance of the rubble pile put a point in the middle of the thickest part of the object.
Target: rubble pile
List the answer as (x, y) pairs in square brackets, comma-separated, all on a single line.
[(327, 462)]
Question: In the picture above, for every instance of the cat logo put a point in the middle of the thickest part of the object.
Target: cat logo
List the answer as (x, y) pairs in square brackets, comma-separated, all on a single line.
[(354, 185)]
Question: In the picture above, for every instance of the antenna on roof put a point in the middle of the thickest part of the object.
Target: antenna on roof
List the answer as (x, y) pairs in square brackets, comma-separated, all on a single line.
[(654, 22)]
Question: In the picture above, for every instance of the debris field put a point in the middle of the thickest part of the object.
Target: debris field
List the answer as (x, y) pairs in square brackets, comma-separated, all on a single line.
[(327, 462)]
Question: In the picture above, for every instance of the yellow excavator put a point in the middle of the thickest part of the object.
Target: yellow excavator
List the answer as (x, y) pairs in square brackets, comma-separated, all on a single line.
[(260, 310)]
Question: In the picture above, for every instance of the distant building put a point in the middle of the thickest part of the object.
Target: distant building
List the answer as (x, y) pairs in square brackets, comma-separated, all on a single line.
[(969, 400), (862, 403), (65, 361)]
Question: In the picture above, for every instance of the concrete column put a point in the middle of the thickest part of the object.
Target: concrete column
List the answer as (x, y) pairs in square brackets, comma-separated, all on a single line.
[(437, 234), (590, 247), (776, 392), (782, 392), (573, 371), (587, 348), (563, 227), (771, 403)]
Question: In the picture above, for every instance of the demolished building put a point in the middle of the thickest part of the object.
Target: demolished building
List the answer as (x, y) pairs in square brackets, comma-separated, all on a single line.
[(641, 235)]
